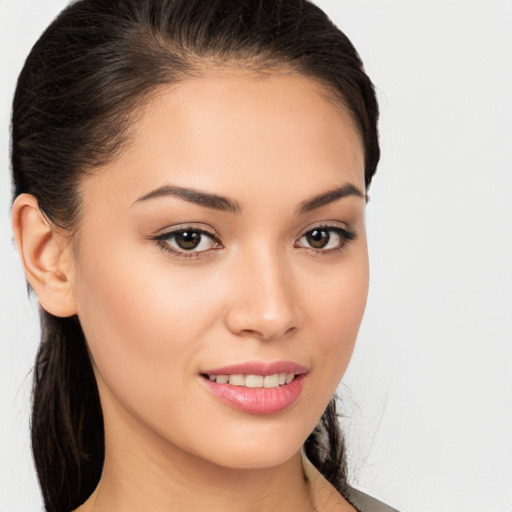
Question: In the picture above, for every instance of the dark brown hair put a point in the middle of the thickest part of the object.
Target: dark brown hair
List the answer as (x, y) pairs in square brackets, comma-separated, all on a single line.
[(95, 64)]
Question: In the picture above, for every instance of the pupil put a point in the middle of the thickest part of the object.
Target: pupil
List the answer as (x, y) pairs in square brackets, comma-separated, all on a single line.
[(318, 238), (188, 240)]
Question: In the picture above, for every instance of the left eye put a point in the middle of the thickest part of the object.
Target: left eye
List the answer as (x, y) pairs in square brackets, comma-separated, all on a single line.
[(324, 239), (187, 240)]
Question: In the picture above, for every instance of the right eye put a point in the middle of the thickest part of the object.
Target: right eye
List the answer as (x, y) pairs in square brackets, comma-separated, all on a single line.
[(187, 241)]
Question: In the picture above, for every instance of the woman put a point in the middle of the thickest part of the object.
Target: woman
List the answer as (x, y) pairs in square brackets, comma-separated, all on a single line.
[(190, 184)]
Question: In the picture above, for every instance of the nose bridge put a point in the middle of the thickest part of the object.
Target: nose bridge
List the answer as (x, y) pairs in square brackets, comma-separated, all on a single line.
[(265, 302)]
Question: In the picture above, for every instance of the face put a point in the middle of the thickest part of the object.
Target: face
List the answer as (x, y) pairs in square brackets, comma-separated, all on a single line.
[(221, 268)]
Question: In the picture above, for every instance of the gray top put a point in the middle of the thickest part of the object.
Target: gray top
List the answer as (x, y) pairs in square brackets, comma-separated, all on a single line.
[(365, 503)]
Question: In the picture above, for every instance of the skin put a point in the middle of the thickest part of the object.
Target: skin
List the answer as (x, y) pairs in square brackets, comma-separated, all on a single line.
[(155, 320)]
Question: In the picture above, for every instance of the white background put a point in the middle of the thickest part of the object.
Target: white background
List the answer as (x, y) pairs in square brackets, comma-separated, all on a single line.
[(428, 395)]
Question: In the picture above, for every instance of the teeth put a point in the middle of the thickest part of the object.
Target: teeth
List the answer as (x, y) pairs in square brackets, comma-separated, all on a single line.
[(237, 380), (254, 381), (271, 381)]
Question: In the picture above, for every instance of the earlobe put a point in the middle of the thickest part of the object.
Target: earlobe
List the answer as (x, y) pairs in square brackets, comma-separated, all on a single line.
[(46, 256)]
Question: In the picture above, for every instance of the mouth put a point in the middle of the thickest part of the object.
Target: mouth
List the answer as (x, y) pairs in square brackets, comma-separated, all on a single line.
[(257, 388)]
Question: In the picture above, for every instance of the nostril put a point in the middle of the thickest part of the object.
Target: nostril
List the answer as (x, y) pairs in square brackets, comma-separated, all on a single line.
[(268, 334), (290, 331)]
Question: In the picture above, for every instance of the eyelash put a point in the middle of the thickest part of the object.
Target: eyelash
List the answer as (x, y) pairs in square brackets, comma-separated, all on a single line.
[(345, 235)]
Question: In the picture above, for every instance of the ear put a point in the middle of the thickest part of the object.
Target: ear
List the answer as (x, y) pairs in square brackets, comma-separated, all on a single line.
[(46, 255)]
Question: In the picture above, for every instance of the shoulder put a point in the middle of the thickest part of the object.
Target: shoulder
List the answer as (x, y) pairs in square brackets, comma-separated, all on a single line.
[(365, 503)]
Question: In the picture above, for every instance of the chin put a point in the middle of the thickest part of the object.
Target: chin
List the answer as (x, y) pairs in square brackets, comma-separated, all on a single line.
[(257, 448), (257, 457)]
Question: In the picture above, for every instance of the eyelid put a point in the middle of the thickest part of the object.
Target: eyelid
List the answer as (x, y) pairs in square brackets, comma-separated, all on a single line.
[(196, 226), (326, 224)]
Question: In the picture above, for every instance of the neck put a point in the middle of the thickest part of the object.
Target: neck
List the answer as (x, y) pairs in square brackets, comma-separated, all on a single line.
[(198, 487)]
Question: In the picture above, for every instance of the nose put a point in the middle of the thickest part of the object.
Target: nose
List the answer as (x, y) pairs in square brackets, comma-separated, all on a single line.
[(264, 301)]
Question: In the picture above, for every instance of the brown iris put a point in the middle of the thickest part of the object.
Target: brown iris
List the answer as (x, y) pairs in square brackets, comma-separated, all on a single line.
[(187, 240), (318, 238)]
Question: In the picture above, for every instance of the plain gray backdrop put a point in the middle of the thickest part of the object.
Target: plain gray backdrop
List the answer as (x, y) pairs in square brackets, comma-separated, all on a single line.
[(428, 396)]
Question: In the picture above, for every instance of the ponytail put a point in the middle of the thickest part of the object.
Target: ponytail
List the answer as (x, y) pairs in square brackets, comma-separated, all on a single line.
[(67, 422), (325, 448)]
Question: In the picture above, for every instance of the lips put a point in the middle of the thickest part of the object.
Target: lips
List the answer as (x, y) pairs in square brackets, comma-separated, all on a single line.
[(256, 387)]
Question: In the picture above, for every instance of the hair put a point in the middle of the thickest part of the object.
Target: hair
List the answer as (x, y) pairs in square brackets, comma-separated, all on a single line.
[(88, 73)]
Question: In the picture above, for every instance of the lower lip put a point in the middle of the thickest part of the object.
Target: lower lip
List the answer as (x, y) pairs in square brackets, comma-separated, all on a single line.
[(258, 400)]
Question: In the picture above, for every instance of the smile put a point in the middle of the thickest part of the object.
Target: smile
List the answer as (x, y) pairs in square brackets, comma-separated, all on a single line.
[(255, 387)]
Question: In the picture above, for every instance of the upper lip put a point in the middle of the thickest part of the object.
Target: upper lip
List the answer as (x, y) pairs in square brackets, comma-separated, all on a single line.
[(258, 368)]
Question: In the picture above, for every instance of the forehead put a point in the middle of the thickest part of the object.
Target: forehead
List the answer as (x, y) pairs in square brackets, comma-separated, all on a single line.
[(236, 132)]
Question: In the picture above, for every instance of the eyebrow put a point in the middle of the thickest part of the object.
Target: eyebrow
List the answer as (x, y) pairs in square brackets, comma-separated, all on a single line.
[(330, 196), (226, 204), (191, 195)]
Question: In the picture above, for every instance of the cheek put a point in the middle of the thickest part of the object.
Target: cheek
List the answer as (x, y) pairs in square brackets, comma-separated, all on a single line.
[(335, 311), (333, 304), (143, 326)]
